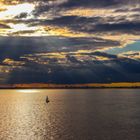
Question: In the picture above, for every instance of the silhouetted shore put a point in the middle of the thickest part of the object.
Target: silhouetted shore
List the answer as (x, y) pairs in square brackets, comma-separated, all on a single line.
[(70, 86)]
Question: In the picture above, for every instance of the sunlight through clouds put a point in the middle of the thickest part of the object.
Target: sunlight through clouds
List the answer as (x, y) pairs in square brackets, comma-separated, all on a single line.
[(69, 41), (21, 27), (14, 10)]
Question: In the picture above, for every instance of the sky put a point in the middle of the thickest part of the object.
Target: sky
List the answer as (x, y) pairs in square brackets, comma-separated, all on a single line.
[(69, 41)]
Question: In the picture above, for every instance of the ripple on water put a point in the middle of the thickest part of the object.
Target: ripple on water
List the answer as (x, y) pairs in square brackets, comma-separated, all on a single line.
[(71, 115)]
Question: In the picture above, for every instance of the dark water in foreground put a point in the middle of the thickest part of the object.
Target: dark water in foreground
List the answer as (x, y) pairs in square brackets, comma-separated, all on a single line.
[(93, 114)]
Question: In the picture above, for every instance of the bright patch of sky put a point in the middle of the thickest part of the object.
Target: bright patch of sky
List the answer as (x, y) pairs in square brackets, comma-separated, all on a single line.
[(130, 47)]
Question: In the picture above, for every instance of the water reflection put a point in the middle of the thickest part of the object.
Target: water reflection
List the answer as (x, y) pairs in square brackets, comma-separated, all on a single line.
[(71, 114), (28, 91)]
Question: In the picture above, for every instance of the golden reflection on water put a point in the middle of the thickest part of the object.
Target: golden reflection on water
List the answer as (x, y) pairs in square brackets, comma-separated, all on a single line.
[(23, 115), (28, 91), (71, 114)]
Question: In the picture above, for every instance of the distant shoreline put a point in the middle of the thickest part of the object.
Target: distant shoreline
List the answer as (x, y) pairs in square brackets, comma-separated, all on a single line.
[(70, 86)]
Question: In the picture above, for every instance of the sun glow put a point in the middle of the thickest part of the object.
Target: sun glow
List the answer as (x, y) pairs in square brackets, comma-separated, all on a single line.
[(14, 10), (21, 27)]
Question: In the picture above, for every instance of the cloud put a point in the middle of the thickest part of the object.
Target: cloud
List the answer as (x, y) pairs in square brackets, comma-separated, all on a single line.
[(132, 54), (62, 5), (25, 32), (20, 46), (75, 71), (37, 60), (4, 26), (93, 24), (128, 27), (89, 3), (66, 38), (22, 16)]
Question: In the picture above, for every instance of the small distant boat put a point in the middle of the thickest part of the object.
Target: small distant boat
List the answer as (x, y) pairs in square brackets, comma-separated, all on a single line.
[(47, 99)]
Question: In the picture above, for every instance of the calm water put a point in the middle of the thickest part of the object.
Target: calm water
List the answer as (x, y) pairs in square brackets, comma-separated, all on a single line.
[(93, 114)]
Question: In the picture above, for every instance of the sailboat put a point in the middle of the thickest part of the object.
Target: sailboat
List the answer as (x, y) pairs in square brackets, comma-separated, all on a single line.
[(47, 99)]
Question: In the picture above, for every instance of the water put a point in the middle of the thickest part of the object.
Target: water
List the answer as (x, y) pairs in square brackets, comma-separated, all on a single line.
[(87, 114)]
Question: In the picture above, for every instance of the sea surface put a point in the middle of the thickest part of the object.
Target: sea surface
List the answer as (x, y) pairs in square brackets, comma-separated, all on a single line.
[(86, 114)]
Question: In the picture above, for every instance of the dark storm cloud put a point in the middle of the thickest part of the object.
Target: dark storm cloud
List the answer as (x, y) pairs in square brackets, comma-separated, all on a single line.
[(61, 21), (22, 16), (75, 67), (133, 54), (20, 46), (93, 24), (73, 70), (45, 5), (54, 5), (89, 3), (104, 55), (129, 27), (4, 26), (90, 24), (133, 9), (99, 3), (79, 2), (72, 21), (68, 4), (72, 59), (23, 32), (89, 71)]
